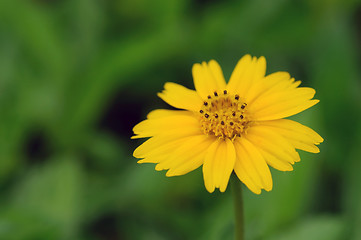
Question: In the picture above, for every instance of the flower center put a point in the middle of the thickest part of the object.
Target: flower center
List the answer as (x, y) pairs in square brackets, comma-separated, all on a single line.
[(224, 115)]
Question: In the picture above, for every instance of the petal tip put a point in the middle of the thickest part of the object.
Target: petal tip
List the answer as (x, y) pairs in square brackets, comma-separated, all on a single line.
[(256, 191), (210, 189), (158, 167), (268, 188), (262, 58), (247, 56), (223, 188), (136, 153), (161, 94), (169, 173), (315, 100), (212, 61)]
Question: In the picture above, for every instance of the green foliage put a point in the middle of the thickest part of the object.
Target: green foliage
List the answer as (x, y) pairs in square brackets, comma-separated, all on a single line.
[(76, 75), (320, 228)]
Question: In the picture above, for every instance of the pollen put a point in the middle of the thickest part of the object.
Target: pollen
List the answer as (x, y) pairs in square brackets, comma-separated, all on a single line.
[(224, 115)]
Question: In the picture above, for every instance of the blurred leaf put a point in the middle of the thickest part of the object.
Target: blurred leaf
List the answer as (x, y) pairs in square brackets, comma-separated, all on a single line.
[(352, 190), (218, 221), (108, 73), (334, 71), (316, 228), (34, 28), (48, 200)]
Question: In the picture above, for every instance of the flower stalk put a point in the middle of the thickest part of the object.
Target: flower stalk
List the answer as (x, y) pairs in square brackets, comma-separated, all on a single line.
[(238, 207)]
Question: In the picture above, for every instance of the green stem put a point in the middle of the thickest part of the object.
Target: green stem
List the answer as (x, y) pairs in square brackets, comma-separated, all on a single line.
[(238, 206)]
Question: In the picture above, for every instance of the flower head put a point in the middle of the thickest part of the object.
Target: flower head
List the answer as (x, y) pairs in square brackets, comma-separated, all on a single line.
[(236, 126)]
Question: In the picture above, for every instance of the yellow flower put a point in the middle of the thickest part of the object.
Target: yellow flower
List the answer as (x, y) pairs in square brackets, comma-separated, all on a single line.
[(237, 126)]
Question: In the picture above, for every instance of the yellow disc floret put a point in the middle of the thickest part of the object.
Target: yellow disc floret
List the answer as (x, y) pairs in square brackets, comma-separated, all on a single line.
[(224, 115)]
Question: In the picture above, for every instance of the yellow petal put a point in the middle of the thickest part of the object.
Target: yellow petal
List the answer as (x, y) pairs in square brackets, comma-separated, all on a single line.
[(252, 162), (160, 113), (239, 71), (217, 73), (268, 84), (282, 97), (218, 165), (288, 108), (208, 78), (278, 97), (158, 146), (180, 97), (276, 150), (244, 162), (245, 178), (246, 75), (187, 156), (179, 124), (300, 136), (276, 162)]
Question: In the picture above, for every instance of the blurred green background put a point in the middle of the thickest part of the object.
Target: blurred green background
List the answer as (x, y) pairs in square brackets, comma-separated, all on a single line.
[(77, 75)]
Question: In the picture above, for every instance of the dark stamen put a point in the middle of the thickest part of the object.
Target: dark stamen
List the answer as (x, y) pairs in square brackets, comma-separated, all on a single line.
[(243, 106), (205, 103), (222, 122), (225, 91), (231, 123), (233, 114), (216, 116), (201, 111), (206, 115), (241, 116), (209, 97), (215, 94), (236, 97)]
